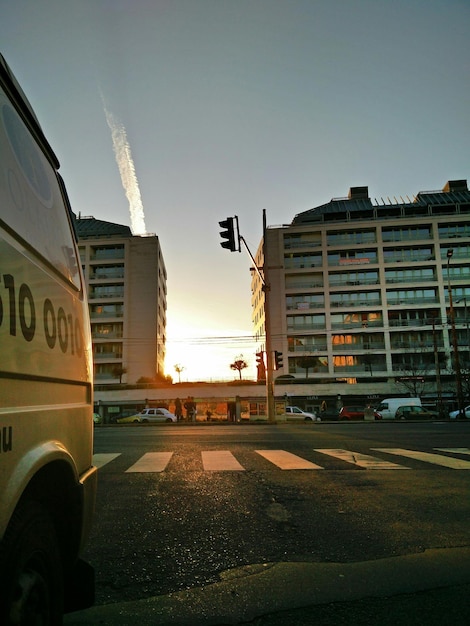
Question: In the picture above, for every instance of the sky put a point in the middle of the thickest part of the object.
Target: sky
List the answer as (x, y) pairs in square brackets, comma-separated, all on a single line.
[(231, 107)]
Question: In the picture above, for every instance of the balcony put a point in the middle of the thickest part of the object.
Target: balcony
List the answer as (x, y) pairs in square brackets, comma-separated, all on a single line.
[(358, 347)]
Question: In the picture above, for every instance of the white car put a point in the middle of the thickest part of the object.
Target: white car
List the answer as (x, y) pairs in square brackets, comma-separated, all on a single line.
[(157, 415), (294, 413), (454, 414)]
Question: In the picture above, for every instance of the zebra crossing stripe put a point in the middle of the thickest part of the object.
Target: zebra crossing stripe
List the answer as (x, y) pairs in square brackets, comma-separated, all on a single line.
[(102, 459), (220, 460), (365, 461), (427, 457), (454, 450), (286, 460), (151, 462)]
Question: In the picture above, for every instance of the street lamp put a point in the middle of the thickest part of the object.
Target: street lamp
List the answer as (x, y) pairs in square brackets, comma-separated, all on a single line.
[(455, 345)]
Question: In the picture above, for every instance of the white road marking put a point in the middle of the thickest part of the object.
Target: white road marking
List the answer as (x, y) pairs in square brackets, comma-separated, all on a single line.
[(361, 460), (220, 461), (454, 450), (287, 460), (151, 462), (105, 457), (427, 457)]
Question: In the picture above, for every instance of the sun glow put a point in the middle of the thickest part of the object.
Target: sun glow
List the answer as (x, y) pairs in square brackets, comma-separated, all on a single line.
[(202, 354)]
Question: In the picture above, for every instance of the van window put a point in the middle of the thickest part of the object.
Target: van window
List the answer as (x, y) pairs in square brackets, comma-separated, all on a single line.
[(33, 213)]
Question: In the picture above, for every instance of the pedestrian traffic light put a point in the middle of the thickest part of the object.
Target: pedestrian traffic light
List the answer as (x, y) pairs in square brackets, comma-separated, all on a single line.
[(228, 234), (277, 360), (260, 359)]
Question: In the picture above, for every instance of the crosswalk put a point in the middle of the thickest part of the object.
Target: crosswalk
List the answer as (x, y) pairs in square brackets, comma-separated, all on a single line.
[(226, 461)]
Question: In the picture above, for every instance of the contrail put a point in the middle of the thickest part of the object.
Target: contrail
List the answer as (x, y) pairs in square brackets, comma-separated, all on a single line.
[(125, 163)]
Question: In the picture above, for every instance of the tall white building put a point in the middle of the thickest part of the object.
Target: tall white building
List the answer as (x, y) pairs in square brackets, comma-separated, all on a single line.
[(359, 293), (126, 281)]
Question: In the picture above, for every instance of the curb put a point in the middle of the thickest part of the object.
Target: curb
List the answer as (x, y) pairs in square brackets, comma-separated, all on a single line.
[(246, 593)]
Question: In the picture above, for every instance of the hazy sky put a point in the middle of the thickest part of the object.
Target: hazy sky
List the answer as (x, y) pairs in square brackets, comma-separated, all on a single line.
[(230, 107)]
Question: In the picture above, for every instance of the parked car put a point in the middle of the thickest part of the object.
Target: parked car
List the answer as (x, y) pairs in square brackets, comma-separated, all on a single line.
[(355, 413), (454, 414), (413, 412), (157, 415), (129, 419), (294, 413)]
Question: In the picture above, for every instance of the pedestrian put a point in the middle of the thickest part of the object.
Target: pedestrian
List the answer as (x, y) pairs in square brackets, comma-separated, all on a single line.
[(178, 410), (193, 410), (187, 406)]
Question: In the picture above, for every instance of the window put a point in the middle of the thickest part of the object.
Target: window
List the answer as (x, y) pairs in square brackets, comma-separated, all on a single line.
[(354, 278), (305, 301), (299, 261), (414, 274), (404, 296), (407, 233), (351, 237), (302, 322), (355, 298), (352, 257)]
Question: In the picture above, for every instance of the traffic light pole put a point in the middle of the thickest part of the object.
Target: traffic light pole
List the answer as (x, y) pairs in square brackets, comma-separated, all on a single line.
[(230, 224), (267, 326), (267, 323)]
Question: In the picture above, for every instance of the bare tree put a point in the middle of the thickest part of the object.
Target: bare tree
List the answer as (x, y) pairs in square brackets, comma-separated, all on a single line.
[(239, 364)]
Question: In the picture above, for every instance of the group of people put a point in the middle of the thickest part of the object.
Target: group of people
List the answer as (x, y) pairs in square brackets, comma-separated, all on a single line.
[(190, 408)]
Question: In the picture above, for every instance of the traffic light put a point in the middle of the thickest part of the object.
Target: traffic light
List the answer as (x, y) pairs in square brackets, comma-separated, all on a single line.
[(277, 360), (260, 366), (228, 234)]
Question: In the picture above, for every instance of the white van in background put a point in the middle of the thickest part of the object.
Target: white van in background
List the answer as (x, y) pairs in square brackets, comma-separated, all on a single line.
[(47, 479), (388, 407)]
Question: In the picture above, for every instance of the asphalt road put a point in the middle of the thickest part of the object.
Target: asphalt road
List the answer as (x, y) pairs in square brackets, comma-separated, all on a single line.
[(248, 538)]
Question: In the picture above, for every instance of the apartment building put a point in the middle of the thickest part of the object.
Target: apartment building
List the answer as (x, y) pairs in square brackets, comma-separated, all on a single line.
[(126, 280), (359, 293)]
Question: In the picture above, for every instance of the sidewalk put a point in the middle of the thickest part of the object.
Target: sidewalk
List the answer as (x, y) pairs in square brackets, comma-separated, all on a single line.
[(304, 593)]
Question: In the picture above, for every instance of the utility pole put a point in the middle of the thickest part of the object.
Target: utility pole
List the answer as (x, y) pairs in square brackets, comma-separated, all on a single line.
[(437, 366), (455, 343)]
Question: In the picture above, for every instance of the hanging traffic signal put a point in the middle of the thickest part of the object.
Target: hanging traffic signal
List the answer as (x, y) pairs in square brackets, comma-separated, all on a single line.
[(228, 234), (277, 360)]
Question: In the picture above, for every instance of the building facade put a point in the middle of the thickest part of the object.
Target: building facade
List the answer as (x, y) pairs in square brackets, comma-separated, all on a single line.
[(371, 298), (126, 282)]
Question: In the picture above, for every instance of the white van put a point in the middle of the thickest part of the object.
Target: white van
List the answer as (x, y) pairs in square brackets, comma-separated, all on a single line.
[(47, 479), (388, 407)]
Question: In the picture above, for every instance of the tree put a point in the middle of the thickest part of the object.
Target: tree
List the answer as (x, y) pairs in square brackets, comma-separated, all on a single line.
[(418, 371), (307, 362), (178, 369), (239, 364), (118, 372)]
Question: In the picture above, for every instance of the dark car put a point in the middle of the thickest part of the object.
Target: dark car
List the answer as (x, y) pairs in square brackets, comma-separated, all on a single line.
[(412, 412), (355, 413)]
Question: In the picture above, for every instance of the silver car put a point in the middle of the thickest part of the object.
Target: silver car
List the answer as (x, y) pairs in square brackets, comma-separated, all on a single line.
[(157, 415), (294, 413)]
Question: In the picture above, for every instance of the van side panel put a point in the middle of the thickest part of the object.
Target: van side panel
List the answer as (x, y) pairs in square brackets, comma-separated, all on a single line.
[(46, 375)]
